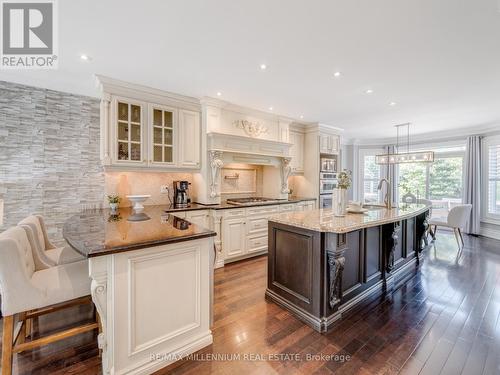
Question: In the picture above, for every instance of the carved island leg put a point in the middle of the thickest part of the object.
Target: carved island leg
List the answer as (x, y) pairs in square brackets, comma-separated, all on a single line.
[(98, 272), (336, 261)]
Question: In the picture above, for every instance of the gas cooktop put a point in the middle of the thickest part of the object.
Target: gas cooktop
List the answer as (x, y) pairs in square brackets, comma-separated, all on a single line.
[(252, 200)]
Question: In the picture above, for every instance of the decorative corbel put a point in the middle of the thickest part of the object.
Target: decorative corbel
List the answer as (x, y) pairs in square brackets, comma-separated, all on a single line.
[(216, 164), (286, 169), (336, 261)]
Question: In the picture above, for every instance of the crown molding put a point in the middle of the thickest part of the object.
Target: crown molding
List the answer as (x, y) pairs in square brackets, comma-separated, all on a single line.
[(107, 85), (443, 135)]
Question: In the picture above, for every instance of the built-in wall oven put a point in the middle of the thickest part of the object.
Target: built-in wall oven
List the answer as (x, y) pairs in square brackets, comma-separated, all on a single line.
[(327, 182)]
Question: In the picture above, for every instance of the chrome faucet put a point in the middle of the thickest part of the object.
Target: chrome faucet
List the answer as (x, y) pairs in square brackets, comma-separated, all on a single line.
[(388, 194)]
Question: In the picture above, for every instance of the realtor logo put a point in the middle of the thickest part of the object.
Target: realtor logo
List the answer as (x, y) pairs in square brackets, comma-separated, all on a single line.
[(29, 34)]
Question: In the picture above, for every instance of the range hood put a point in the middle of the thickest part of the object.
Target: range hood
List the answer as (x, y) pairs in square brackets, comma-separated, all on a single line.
[(247, 147)]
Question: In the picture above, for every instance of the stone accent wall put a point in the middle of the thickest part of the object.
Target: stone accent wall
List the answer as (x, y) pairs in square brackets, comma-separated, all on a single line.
[(49, 155)]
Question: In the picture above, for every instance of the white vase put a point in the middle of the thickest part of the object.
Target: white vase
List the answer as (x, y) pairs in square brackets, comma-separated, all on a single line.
[(339, 202), (113, 207)]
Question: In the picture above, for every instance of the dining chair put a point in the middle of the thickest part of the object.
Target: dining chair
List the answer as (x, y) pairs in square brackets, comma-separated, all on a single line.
[(28, 293), (45, 253), (456, 220)]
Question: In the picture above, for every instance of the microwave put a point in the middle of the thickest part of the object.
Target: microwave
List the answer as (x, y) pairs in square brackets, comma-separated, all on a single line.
[(328, 164)]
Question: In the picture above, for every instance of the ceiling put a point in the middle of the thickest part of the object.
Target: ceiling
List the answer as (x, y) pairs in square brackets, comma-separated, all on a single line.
[(438, 60)]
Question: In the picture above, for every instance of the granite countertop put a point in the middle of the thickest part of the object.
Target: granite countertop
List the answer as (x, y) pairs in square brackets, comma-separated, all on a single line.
[(322, 220), (224, 205), (97, 233)]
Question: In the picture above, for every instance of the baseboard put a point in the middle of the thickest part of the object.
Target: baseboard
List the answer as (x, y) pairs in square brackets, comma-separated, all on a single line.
[(491, 233)]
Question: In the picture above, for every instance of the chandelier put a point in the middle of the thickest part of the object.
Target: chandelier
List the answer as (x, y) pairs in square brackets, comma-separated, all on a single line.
[(400, 157)]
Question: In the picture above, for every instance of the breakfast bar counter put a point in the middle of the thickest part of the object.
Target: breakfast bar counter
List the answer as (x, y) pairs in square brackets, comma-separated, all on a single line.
[(152, 279), (321, 266)]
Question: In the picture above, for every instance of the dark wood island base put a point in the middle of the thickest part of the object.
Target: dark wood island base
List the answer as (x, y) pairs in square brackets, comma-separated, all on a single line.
[(320, 275)]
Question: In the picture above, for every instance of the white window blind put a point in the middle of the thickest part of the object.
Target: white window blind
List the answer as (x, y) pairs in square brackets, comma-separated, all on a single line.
[(494, 179)]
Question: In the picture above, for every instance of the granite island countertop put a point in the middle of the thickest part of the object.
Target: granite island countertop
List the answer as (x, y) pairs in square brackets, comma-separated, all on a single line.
[(98, 232), (323, 220)]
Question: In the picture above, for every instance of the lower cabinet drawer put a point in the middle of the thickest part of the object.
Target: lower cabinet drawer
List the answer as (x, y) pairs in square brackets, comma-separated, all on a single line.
[(287, 207), (257, 243), (255, 225)]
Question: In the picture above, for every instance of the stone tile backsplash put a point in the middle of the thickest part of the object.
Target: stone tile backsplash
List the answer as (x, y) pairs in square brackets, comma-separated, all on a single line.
[(49, 155)]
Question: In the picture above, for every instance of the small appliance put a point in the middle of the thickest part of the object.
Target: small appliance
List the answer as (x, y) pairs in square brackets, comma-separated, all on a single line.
[(181, 195)]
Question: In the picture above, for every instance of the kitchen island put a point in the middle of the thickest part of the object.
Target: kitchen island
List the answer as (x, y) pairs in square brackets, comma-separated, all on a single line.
[(320, 266), (151, 284)]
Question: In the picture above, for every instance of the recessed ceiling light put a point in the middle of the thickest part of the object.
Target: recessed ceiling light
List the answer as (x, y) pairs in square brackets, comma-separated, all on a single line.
[(337, 74), (392, 104), (270, 108), (219, 93), (301, 116), (85, 57), (369, 91), (263, 66)]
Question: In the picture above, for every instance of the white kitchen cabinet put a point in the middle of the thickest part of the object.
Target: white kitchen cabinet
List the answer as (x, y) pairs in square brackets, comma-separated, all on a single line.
[(297, 151), (199, 217), (148, 135), (163, 142), (189, 139), (129, 132), (233, 237), (329, 143), (306, 205)]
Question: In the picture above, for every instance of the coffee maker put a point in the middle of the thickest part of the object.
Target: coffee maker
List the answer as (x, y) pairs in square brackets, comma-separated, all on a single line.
[(181, 195)]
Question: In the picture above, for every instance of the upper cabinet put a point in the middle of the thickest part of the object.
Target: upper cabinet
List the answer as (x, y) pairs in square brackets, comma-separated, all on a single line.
[(296, 138), (329, 143), (129, 132), (189, 139), (148, 129)]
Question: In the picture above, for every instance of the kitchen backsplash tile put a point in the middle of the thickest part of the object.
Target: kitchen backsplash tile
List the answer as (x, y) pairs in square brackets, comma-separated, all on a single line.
[(143, 183)]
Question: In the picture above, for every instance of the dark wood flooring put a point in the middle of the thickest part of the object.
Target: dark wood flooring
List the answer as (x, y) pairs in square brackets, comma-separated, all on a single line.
[(443, 320)]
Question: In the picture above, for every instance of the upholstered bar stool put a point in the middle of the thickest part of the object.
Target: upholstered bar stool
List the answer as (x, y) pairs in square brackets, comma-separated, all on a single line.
[(28, 293), (48, 254)]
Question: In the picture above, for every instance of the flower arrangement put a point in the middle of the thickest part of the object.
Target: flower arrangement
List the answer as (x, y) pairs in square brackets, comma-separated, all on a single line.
[(114, 199), (344, 179)]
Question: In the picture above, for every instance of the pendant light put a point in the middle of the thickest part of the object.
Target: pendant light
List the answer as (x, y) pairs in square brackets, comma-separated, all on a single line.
[(404, 157)]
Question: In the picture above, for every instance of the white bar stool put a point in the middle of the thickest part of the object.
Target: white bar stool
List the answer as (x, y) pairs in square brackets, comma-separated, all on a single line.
[(28, 293), (48, 255)]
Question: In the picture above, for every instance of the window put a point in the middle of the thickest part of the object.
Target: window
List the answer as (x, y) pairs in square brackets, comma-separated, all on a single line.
[(441, 181), (492, 167), (369, 177)]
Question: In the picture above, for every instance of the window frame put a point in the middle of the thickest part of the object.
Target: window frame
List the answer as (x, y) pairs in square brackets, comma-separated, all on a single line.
[(439, 155), (361, 171), (486, 216)]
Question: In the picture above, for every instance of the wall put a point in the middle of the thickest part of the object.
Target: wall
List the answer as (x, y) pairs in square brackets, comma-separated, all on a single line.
[(49, 155), (142, 183)]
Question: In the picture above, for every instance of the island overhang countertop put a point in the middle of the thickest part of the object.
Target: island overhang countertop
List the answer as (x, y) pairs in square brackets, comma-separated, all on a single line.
[(323, 220), (98, 232)]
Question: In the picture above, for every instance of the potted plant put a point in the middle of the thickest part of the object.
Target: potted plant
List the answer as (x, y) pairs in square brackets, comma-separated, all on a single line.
[(114, 201), (344, 181)]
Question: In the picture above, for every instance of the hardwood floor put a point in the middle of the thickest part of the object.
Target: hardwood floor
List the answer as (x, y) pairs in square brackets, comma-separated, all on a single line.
[(443, 320)]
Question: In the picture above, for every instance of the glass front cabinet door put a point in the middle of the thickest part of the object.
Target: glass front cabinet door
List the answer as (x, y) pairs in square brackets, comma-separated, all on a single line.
[(163, 135), (154, 135), (130, 133)]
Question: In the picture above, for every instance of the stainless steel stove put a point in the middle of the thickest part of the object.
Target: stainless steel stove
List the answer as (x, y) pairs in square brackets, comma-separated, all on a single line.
[(251, 200)]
